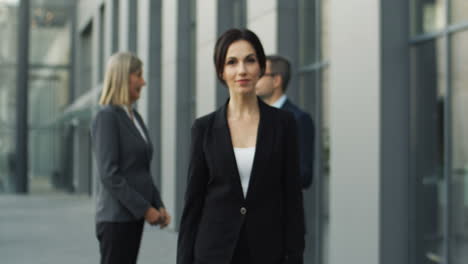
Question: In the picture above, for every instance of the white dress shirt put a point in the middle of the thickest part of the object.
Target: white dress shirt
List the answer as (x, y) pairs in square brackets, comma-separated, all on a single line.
[(137, 124), (244, 159), (280, 102)]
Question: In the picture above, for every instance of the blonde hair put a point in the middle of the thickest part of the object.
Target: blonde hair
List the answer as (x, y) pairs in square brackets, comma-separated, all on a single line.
[(115, 90)]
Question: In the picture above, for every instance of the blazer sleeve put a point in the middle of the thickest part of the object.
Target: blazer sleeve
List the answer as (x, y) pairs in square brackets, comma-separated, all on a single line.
[(106, 139), (194, 197), (157, 201), (306, 135), (294, 222)]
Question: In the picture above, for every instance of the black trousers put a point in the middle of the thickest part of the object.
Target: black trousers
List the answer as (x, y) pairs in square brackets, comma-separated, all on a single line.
[(119, 242), (242, 252)]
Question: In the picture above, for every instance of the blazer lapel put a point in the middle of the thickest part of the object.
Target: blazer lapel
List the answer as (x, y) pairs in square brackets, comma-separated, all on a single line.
[(263, 149), (224, 148), (145, 131), (126, 119)]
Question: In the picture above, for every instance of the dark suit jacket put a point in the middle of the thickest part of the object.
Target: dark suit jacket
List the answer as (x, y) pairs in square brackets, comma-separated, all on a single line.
[(306, 134), (123, 159), (215, 207)]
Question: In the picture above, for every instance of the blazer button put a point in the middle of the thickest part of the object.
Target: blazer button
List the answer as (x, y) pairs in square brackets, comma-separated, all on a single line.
[(243, 210)]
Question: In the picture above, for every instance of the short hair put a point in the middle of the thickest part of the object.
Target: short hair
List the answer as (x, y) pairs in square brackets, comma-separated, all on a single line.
[(281, 66), (231, 36), (115, 90)]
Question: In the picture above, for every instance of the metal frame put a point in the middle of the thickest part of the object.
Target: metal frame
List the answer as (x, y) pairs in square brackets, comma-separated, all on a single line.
[(21, 140), (449, 30), (319, 199), (448, 133), (154, 76), (185, 86)]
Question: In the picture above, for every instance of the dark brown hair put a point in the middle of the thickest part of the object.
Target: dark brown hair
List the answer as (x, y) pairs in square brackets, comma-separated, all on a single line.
[(281, 66), (231, 36)]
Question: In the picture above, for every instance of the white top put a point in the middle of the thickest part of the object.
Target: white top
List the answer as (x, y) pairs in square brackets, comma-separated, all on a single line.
[(280, 102), (137, 125), (244, 159)]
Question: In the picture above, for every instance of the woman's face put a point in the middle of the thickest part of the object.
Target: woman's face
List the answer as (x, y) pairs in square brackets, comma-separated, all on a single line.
[(135, 85), (241, 68)]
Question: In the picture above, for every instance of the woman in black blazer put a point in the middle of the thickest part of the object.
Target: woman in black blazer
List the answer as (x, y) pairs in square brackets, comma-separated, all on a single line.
[(123, 150), (243, 202)]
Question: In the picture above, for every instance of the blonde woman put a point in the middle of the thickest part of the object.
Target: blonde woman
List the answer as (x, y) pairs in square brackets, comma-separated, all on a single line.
[(127, 195)]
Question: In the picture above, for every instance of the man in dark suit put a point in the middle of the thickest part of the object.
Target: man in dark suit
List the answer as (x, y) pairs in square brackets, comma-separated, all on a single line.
[(271, 88)]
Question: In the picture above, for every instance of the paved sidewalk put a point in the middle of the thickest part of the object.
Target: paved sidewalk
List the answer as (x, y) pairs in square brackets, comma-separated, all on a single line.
[(59, 229)]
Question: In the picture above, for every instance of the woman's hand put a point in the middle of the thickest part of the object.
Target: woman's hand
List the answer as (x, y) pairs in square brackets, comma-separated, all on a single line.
[(152, 216), (165, 219)]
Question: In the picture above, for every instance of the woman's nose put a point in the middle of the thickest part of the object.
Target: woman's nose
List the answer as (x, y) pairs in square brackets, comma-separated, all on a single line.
[(241, 68)]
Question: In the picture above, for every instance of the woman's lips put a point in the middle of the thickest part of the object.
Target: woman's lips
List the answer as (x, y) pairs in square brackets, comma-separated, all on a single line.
[(243, 81)]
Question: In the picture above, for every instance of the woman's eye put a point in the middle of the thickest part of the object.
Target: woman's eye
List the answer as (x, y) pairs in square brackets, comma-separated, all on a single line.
[(251, 60), (230, 62)]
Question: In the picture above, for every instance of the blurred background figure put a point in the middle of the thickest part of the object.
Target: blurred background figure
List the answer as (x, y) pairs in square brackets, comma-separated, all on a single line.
[(272, 89)]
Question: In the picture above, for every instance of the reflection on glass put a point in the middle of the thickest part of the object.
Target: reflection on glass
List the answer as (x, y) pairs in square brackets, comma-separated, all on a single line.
[(459, 194), (427, 103), (458, 11), (50, 34), (8, 44), (427, 16), (47, 98)]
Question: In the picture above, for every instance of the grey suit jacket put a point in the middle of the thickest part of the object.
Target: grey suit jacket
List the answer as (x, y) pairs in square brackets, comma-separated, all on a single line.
[(123, 159)]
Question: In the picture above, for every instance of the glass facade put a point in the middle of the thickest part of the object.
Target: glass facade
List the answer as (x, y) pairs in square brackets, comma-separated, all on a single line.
[(49, 83), (439, 147), (48, 94), (459, 164)]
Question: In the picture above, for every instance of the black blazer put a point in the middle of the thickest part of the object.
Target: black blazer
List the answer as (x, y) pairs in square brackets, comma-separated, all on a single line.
[(123, 159), (215, 207), (306, 134)]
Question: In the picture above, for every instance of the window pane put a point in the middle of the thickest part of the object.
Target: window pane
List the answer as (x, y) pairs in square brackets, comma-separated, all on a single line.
[(324, 29), (458, 11), (427, 16), (48, 97), (459, 184), (427, 178), (50, 34)]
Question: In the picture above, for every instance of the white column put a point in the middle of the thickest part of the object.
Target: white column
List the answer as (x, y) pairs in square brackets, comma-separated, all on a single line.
[(206, 73), (355, 131), (169, 103), (262, 18), (123, 24)]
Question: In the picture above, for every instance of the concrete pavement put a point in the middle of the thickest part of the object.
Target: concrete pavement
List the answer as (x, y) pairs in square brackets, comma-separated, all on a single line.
[(59, 228)]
